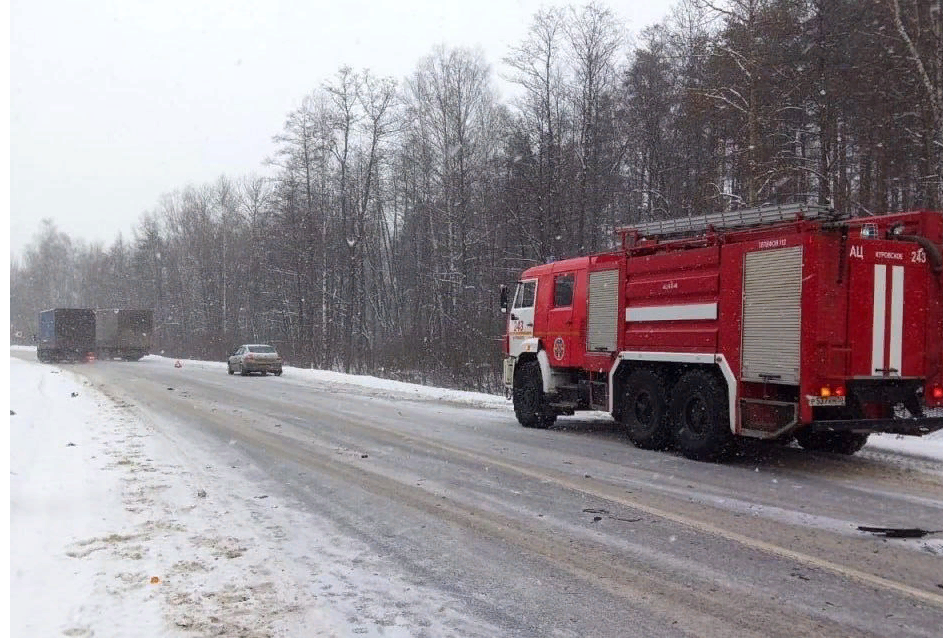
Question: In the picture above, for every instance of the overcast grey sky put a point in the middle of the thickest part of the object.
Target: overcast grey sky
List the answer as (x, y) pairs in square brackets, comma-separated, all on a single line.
[(114, 102)]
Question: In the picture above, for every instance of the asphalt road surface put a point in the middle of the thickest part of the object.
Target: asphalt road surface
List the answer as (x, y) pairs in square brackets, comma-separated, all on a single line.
[(572, 531)]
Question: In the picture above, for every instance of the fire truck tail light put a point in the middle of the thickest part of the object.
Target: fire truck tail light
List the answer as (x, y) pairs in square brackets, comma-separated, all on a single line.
[(840, 391), (937, 392), (825, 391)]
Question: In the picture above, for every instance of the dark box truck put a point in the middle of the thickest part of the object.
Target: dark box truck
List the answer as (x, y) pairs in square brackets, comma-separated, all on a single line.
[(66, 334), (123, 333)]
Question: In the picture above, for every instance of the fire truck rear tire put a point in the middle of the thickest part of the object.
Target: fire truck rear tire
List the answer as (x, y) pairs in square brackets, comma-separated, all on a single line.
[(644, 410), (700, 416), (835, 442), (530, 407)]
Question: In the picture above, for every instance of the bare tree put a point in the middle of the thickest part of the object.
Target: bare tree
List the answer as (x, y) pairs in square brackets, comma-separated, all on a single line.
[(594, 37), (537, 68)]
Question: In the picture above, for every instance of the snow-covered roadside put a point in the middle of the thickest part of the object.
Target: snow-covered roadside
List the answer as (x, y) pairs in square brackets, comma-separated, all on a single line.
[(927, 447), (114, 534)]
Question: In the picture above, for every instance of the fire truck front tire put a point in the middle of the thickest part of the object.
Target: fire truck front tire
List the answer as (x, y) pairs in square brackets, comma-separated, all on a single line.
[(835, 442), (700, 416), (644, 410), (530, 407)]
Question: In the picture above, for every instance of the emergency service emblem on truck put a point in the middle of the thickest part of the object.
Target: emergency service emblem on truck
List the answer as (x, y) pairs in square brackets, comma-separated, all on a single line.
[(771, 323)]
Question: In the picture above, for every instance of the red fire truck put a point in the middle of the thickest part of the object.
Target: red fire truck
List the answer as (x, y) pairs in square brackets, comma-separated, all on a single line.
[(771, 323)]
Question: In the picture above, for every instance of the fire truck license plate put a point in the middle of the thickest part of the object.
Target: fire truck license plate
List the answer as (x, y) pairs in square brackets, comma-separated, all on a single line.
[(825, 402)]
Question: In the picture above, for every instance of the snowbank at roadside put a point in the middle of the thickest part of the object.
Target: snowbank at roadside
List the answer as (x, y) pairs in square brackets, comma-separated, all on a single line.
[(115, 532), (928, 447)]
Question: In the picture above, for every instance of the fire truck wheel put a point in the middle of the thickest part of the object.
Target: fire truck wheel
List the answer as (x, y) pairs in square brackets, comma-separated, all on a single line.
[(700, 415), (835, 442), (644, 410), (529, 406)]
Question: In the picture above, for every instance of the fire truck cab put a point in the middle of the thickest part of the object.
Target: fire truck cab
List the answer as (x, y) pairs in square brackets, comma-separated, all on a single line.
[(771, 323)]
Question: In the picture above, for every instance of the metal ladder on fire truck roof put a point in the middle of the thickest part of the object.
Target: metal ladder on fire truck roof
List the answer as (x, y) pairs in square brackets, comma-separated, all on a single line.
[(745, 218)]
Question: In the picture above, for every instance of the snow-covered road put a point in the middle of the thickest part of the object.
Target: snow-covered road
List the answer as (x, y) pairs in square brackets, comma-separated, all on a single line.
[(194, 503)]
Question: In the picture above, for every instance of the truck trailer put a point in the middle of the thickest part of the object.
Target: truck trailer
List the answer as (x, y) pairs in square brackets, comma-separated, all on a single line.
[(781, 322), (123, 333), (66, 334)]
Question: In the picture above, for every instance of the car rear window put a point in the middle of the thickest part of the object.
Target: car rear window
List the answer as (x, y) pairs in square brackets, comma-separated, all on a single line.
[(264, 349)]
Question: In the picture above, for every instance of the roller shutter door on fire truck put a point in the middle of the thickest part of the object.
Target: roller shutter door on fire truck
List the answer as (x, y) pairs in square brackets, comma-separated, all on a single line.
[(603, 311), (772, 286)]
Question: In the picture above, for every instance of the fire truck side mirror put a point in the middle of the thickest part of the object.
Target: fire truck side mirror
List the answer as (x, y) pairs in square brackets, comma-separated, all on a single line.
[(504, 298)]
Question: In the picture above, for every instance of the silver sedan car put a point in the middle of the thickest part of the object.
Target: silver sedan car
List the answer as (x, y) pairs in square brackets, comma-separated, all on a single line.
[(255, 357)]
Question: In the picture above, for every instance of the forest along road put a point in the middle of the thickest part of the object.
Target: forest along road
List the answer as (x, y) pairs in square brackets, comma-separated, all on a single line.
[(569, 531)]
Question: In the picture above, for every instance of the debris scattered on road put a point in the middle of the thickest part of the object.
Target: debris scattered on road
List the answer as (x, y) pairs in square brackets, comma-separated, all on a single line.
[(75, 394), (800, 576), (262, 496), (596, 519), (899, 532), (170, 388), (201, 493), (70, 444), (12, 413), (590, 510), (155, 580), (363, 456)]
